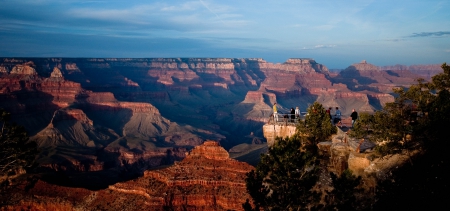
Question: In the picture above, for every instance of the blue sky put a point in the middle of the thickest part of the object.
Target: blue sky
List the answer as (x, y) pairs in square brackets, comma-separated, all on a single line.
[(336, 33)]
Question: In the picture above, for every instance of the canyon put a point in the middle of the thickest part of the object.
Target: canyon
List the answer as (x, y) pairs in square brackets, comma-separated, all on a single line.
[(108, 128), (93, 114), (206, 179)]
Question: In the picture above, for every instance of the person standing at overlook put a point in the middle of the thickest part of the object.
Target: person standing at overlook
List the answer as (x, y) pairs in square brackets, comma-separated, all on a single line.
[(337, 117), (297, 113), (292, 115), (354, 116), (328, 111), (275, 112)]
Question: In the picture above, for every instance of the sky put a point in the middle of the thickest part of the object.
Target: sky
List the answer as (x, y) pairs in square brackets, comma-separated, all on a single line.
[(336, 33)]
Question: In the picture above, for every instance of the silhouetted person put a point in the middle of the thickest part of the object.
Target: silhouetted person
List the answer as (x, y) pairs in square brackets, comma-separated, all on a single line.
[(328, 111), (337, 117), (292, 114), (354, 116)]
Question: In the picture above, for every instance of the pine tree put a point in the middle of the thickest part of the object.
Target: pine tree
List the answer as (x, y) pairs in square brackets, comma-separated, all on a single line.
[(284, 178), (317, 125), (16, 151), (345, 193), (423, 112)]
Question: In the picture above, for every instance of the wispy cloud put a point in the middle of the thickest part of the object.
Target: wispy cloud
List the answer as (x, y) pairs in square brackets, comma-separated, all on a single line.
[(431, 34), (394, 40), (206, 6), (318, 47)]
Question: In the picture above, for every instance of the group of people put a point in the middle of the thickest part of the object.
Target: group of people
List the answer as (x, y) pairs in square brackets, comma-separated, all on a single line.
[(295, 114), (337, 116)]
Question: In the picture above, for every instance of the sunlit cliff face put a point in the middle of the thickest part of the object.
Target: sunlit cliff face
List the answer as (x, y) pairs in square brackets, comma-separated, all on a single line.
[(206, 179)]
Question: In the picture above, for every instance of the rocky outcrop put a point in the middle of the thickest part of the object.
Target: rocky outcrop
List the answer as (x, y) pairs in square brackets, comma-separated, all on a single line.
[(364, 67), (3, 70), (210, 150), (56, 73), (198, 182), (206, 179), (72, 67), (271, 131), (24, 69)]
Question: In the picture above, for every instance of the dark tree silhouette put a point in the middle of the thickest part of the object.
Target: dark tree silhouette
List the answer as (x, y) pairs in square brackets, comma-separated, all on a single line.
[(16, 151), (284, 178)]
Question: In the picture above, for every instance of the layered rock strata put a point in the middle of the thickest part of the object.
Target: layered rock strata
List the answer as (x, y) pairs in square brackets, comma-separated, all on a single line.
[(81, 130), (207, 179), (205, 98)]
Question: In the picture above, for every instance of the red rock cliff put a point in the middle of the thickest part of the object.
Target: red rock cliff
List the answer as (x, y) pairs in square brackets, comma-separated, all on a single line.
[(207, 179)]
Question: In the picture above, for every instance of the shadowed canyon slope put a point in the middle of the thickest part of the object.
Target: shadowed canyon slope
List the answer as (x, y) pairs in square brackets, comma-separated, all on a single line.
[(207, 179), (132, 114)]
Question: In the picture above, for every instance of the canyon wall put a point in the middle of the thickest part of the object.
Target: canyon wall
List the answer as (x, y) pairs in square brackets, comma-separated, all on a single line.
[(139, 113), (206, 179)]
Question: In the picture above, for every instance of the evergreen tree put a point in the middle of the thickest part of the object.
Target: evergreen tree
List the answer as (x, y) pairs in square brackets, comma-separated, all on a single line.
[(345, 193), (317, 125), (391, 128), (362, 127), (422, 183), (16, 151), (284, 178)]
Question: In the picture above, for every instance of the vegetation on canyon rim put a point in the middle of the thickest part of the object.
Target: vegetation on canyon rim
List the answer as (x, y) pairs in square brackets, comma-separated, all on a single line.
[(16, 152), (286, 177), (417, 120)]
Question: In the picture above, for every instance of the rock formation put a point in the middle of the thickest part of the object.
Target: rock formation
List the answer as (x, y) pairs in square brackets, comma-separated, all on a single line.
[(81, 130), (24, 69), (424, 71), (56, 73), (207, 179), (3, 70), (162, 107)]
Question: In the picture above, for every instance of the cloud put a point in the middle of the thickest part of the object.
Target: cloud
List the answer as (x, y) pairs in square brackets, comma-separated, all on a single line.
[(188, 6), (318, 47), (156, 19), (431, 34), (394, 40)]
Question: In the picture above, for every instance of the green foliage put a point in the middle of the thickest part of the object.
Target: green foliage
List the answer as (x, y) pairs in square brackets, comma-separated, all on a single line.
[(422, 183), (442, 81), (345, 191), (284, 178), (16, 151), (418, 116), (317, 125), (362, 126), (389, 128)]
